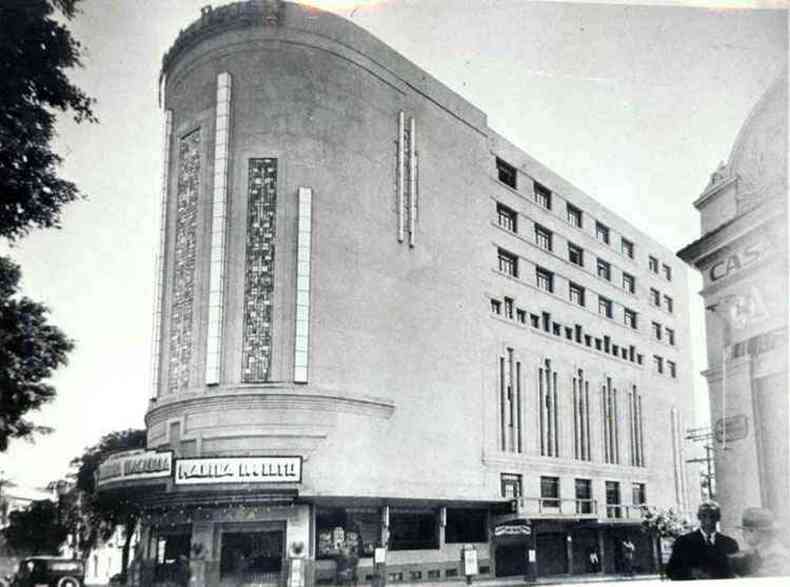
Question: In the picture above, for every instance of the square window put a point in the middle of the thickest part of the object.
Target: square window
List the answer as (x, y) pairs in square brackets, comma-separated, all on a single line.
[(604, 270), (672, 369), (496, 306), (521, 316), (658, 362), (506, 218), (629, 283), (534, 320), (575, 255), (615, 349), (576, 293), (508, 262), (604, 306), (670, 336), (587, 340), (506, 172), (627, 247), (598, 344), (602, 232), (574, 215), (656, 330), (543, 237), (629, 316), (556, 328), (544, 279), (624, 352), (569, 333), (668, 303), (543, 196), (652, 264), (667, 271), (550, 492), (510, 484), (509, 308)]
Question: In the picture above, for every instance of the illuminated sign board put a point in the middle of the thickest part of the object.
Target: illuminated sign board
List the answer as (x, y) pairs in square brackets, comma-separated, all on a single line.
[(214, 470), (135, 464)]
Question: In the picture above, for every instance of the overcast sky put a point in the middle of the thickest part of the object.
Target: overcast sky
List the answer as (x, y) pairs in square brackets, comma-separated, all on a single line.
[(635, 105)]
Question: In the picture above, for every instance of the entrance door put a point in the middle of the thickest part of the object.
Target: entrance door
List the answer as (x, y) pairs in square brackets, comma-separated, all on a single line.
[(511, 559), (552, 554), (252, 558)]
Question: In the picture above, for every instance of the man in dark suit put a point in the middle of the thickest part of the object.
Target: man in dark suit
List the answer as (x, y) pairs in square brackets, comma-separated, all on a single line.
[(704, 553)]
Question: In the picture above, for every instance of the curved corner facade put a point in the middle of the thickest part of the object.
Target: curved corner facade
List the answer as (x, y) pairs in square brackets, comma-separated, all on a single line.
[(380, 324)]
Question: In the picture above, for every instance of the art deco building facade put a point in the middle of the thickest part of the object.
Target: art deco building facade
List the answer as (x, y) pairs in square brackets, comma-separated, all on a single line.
[(742, 255), (380, 322)]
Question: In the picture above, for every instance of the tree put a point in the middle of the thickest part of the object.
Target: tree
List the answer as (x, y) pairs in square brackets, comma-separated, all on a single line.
[(30, 350), (35, 52), (103, 512), (36, 529)]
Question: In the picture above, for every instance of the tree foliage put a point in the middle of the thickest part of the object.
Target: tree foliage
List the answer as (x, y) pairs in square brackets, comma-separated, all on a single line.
[(35, 52), (36, 529), (664, 523), (30, 350), (104, 512)]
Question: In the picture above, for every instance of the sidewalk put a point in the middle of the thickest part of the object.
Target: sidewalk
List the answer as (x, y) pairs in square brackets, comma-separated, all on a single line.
[(519, 581)]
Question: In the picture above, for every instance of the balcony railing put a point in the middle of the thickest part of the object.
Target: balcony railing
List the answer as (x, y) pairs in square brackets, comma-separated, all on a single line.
[(555, 506), (621, 511)]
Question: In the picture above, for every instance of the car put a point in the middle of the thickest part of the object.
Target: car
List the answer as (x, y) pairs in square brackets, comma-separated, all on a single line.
[(49, 571)]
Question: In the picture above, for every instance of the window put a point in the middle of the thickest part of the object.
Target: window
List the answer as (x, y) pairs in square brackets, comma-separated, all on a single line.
[(581, 417), (508, 262), (629, 283), (556, 328), (546, 321), (543, 196), (670, 336), (584, 502), (668, 303), (575, 255), (509, 308), (667, 271), (613, 509), (496, 306), (658, 362), (521, 316), (569, 332), (604, 307), (587, 340), (506, 173), (602, 232), (506, 218), (413, 530), (638, 494), (655, 297), (574, 215), (652, 264), (466, 525), (639, 358), (629, 316), (611, 432), (511, 484), (615, 349), (635, 430), (604, 270), (627, 247), (534, 319), (672, 369), (543, 237), (550, 492), (576, 293), (656, 330), (598, 344), (545, 279)]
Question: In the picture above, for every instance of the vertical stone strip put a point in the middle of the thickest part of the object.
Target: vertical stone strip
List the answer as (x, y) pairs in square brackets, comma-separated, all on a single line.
[(187, 196), (303, 248), (218, 231), (401, 175), (259, 270), (156, 339)]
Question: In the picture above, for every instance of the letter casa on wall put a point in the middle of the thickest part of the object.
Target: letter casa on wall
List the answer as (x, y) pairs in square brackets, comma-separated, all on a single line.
[(734, 261)]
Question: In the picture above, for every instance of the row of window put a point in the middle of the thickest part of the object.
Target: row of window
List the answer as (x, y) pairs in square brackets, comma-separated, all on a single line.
[(544, 238), (671, 370), (507, 308), (550, 496), (508, 175), (660, 332)]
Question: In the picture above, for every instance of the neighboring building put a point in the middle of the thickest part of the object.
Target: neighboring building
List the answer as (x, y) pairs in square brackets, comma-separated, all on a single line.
[(742, 256), (15, 498), (380, 322)]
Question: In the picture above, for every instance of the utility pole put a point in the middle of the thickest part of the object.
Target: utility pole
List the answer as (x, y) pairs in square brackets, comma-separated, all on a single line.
[(705, 436)]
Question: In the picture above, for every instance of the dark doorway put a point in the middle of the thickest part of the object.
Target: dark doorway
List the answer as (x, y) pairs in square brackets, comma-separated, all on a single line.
[(552, 554), (252, 557), (511, 559)]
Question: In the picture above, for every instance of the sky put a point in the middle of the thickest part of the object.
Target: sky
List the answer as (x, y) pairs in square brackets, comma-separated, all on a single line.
[(634, 105)]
